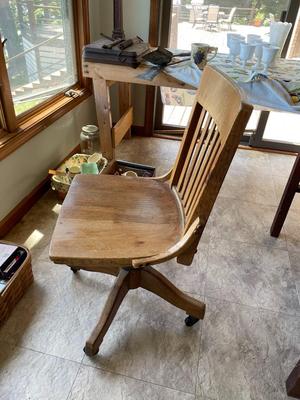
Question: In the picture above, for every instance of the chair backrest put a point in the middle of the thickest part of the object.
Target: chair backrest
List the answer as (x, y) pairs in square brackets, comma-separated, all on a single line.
[(198, 11), (218, 119), (231, 14), (213, 14)]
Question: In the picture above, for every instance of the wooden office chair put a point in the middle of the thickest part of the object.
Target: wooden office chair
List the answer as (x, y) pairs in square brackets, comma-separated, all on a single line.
[(123, 225)]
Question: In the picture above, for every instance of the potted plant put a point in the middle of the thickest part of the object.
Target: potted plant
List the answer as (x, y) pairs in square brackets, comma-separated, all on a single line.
[(259, 18)]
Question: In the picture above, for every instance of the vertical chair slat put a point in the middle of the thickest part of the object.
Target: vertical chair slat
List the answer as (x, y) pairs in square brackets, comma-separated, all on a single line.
[(196, 151), (195, 197), (186, 142), (195, 136), (204, 168), (200, 160)]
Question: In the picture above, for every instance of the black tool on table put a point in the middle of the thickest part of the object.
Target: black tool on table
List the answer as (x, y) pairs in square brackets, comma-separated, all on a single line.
[(160, 58), (109, 46), (127, 43)]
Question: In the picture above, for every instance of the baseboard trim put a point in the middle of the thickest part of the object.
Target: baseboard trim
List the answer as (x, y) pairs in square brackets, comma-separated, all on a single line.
[(17, 213)]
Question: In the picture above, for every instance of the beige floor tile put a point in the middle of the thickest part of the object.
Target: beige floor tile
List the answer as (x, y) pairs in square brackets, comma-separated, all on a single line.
[(252, 275), (291, 230), (36, 227), (250, 159), (55, 314), (281, 164), (250, 185), (295, 266), (246, 353), (148, 340), (188, 278), (243, 222), (28, 375)]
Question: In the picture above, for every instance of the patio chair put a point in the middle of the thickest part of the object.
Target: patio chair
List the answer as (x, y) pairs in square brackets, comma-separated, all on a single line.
[(212, 16), (198, 11), (229, 20), (123, 226)]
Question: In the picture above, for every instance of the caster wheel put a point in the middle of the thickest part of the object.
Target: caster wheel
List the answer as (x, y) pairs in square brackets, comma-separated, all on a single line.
[(74, 270), (190, 321), (89, 352)]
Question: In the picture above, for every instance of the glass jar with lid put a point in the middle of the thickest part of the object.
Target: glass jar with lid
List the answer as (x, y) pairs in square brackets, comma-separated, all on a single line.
[(89, 139)]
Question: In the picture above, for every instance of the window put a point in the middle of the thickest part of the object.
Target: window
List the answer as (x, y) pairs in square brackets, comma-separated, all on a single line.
[(42, 44)]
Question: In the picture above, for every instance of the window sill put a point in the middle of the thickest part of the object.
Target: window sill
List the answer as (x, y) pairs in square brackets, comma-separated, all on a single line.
[(28, 128)]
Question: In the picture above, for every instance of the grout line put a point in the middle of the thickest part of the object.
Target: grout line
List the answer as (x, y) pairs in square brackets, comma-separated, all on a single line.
[(282, 313), (82, 364), (248, 201), (69, 394), (39, 351), (96, 367), (48, 355), (199, 353), (259, 245)]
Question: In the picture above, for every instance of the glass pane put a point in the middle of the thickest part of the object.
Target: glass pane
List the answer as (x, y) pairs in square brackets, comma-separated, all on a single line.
[(176, 115), (190, 21), (189, 24), (40, 50), (179, 116), (283, 128)]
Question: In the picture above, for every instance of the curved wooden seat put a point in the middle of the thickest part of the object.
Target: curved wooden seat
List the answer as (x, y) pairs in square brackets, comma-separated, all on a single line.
[(111, 220)]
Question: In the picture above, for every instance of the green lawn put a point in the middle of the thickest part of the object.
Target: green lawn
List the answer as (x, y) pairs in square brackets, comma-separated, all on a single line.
[(26, 105)]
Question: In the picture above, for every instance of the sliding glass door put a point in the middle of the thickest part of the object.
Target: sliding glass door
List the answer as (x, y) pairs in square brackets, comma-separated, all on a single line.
[(282, 130), (189, 22)]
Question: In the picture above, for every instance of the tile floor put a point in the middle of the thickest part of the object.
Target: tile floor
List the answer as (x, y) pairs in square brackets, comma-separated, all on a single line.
[(243, 350)]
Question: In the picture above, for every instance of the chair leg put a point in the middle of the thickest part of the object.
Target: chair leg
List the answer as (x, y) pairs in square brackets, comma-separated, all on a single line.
[(158, 284), (115, 298)]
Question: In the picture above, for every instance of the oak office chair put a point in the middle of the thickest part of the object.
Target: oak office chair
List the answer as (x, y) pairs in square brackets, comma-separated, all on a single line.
[(123, 225)]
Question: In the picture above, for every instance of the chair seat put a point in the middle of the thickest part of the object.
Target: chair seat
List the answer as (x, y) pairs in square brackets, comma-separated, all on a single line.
[(111, 220)]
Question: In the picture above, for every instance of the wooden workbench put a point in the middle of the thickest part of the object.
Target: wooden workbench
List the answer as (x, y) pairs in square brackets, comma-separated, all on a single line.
[(106, 75)]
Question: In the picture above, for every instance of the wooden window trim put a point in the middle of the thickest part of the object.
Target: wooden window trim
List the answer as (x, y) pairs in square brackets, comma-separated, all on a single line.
[(19, 130), (155, 8)]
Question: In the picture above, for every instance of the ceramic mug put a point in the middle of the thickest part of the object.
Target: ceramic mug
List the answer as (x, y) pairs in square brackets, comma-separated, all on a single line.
[(73, 171), (130, 173), (200, 52)]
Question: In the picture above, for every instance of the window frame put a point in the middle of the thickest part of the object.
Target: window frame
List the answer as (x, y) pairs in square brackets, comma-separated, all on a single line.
[(17, 130)]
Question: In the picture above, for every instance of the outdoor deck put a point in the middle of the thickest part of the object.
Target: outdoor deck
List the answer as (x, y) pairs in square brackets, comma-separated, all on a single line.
[(184, 33)]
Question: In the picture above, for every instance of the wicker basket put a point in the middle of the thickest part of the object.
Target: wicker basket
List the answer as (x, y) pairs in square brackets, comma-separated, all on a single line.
[(16, 288)]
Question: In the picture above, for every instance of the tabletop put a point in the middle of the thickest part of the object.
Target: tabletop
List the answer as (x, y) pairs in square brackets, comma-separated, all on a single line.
[(272, 93)]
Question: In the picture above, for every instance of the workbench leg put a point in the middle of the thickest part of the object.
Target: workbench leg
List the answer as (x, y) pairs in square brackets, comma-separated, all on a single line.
[(103, 110), (291, 189), (125, 101)]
